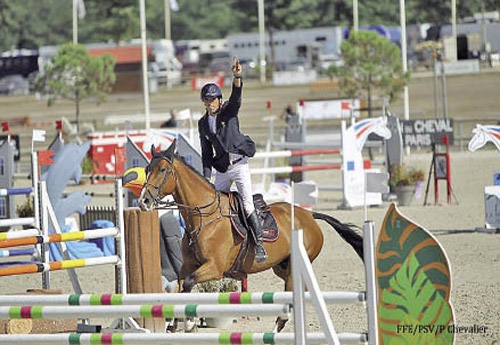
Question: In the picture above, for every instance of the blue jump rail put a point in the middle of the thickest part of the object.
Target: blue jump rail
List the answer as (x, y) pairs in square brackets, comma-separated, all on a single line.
[(15, 191)]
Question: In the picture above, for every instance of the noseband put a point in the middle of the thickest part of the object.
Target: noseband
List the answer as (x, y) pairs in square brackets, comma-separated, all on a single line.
[(157, 198)]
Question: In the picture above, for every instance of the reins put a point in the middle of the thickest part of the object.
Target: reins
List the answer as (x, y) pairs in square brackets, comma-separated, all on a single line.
[(195, 211)]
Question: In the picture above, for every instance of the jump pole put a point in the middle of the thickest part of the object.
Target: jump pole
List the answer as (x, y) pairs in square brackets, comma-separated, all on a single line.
[(63, 237), (143, 311), (284, 297), (57, 265), (291, 169), (169, 338), (5, 236), (15, 191), (294, 153)]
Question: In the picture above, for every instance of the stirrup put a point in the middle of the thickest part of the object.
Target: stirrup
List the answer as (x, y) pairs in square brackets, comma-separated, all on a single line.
[(260, 253)]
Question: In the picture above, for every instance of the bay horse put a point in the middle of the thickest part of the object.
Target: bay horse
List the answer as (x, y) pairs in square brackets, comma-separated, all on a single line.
[(210, 245)]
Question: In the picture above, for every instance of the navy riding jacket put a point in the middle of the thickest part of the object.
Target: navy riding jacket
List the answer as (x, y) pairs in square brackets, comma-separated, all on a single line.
[(215, 147)]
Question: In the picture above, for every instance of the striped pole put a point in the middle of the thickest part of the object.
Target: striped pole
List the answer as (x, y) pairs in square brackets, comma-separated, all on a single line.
[(179, 298), (142, 311), (18, 234), (57, 265), (292, 169), (172, 338), (17, 221), (16, 252), (63, 237), (15, 191), (294, 153)]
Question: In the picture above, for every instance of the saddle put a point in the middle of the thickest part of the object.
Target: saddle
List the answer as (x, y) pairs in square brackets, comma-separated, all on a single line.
[(270, 230), (240, 226)]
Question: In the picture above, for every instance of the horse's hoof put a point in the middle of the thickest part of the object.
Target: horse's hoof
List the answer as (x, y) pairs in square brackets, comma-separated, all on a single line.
[(190, 326), (172, 325), (189, 282)]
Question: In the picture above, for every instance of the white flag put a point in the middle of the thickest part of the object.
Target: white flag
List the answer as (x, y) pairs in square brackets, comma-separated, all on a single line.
[(38, 135), (174, 6), (377, 182), (81, 9)]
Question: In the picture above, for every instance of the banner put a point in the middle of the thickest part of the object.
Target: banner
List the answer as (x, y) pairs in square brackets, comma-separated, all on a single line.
[(426, 132)]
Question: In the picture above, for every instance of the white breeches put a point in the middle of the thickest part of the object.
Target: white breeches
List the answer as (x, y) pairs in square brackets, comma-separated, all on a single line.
[(238, 173)]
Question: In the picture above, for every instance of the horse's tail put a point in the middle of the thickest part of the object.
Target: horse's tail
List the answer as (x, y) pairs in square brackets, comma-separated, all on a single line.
[(346, 231)]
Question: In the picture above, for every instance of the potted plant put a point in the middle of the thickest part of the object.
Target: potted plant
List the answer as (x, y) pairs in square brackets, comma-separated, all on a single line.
[(25, 209), (223, 285), (403, 181)]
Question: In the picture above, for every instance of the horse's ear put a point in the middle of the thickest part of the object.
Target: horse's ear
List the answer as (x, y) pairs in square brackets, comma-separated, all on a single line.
[(153, 150), (171, 149)]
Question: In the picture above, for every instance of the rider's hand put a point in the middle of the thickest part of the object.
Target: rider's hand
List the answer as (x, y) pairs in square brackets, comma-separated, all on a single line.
[(236, 69)]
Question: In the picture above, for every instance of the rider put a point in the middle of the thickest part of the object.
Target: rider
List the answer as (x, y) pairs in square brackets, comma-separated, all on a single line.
[(226, 149)]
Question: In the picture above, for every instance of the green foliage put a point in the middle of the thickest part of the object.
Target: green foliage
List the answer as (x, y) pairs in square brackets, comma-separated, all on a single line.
[(34, 23), (412, 300), (118, 21), (223, 285), (372, 64), (87, 165), (414, 282), (400, 175), (73, 74), (26, 208)]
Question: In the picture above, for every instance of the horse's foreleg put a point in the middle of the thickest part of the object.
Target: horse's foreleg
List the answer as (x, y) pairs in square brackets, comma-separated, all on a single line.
[(284, 272), (208, 271)]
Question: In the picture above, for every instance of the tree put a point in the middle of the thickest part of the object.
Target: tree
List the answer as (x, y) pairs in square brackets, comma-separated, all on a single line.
[(372, 64), (110, 20), (73, 74)]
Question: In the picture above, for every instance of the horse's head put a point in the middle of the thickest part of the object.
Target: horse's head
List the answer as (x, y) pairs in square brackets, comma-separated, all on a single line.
[(160, 178), (364, 128), (483, 134), (479, 138)]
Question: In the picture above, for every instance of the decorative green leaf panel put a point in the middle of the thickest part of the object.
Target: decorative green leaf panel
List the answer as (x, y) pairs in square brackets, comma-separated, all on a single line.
[(414, 284)]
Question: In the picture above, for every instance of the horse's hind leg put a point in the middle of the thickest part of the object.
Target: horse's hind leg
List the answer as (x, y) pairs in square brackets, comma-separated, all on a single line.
[(284, 271)]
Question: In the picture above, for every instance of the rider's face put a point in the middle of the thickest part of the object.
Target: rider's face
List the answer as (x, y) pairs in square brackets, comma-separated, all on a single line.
[(212, 105)]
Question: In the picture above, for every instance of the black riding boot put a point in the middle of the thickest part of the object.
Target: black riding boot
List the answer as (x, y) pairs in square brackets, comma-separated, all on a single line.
[(256, 227)]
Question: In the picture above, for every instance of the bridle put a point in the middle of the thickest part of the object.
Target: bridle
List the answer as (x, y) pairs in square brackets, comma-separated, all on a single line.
[(157, 197), (197, 211)]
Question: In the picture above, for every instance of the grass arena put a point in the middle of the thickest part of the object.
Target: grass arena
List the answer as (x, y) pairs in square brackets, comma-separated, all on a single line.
[(474, 257)]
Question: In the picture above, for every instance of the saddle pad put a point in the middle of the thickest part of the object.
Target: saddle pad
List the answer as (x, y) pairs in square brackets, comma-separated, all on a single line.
[(270, 230)]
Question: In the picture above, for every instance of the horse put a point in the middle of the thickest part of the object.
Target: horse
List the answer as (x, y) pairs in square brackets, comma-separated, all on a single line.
[(483, 134), (211, 246)]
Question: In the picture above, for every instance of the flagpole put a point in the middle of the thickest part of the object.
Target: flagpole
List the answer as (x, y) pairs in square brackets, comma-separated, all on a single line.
[(145, 86), (75, 23), (262, 41), (168, 37)]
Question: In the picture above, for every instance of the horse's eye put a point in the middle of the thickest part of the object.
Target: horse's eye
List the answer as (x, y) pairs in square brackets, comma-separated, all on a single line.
[(163, 169)]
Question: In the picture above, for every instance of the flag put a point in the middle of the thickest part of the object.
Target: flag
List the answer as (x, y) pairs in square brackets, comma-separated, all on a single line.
[(377, 182), (5, 127), (45, 157), (58, 125), (345, 105), (81, 9), (174, 6), (305, 193), (38, 135)]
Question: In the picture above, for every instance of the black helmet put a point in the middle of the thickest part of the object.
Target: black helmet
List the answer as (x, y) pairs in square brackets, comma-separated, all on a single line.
[(210, 90)]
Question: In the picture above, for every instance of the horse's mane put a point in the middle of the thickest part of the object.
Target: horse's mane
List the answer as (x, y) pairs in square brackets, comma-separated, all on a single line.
[(183, 161)]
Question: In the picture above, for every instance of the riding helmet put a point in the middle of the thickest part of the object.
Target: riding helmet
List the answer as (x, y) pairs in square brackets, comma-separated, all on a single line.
[(210, 90)]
